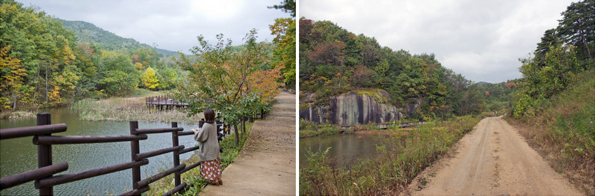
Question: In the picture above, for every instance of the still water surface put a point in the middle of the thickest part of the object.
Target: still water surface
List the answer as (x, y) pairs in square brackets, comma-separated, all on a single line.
[(20, 154), (345, 147)]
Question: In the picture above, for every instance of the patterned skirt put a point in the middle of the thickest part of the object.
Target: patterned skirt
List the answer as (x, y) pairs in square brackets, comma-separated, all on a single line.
[(210, 170)]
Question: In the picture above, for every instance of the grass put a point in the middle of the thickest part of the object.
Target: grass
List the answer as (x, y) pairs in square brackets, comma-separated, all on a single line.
[(141, 92), (193, 176), (126, 109), (389, 173), (311, 129), (563, 132), (16, 115)]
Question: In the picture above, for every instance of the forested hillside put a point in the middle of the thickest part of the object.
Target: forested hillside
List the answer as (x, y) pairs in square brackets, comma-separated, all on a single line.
[(42, 65), (499, 96), (334, 61), (87, 32), (563, 52), (555, 101)]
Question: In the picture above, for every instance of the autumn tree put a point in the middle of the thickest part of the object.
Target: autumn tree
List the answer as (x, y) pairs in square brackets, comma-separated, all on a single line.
[(46, 51), (510, 85), (12, 74), (284, 29), (361, 76), (330, 55), (149, 78), (234, 83)]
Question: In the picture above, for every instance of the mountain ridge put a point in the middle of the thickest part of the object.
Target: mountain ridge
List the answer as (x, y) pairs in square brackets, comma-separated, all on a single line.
[(89, 32)]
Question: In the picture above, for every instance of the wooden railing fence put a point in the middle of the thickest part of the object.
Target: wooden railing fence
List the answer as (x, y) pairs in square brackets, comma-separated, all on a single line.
[(43, 176)]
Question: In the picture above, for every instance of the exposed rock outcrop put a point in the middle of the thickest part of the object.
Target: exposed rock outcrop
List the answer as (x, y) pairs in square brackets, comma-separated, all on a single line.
[(352, 108)]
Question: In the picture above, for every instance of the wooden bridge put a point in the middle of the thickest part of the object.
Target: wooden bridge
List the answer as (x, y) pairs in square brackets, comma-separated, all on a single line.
[(163, 102), (43, 176)]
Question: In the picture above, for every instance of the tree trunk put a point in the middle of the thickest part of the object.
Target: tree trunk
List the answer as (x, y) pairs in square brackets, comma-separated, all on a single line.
[(14, 99), (585, 42), (46, 83), (244, 124), (235, 130)]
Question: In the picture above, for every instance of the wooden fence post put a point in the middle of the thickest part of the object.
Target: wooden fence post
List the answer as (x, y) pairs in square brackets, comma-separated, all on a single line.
[(175, 141), (135, 149), (44, 152)]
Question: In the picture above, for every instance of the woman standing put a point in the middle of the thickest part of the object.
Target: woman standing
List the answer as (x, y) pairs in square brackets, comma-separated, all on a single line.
[(209, 155)]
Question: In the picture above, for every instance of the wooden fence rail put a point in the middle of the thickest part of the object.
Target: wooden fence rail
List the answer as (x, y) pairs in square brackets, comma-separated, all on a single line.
[(43, 176)]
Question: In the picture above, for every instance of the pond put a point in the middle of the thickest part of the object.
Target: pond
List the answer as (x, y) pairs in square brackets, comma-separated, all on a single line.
[(345, 147), (18, 155)]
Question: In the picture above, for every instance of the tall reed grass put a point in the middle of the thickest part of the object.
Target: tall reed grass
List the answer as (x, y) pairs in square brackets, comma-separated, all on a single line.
[(17, 115), (126, 109), (401, 157)]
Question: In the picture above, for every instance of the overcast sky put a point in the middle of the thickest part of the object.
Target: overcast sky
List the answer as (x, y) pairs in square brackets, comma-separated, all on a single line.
[(172, 25), (480, 39)]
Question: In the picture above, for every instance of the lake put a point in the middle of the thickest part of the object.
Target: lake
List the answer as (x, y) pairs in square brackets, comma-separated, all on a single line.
[(344, 147), (18, 155)]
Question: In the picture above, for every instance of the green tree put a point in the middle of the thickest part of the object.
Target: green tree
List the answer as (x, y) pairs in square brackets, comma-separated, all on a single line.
[(117, 74), (47, 52), (411, 82), (233, 83), (578, 26), (542, 78), (284, 53), (288, 6)]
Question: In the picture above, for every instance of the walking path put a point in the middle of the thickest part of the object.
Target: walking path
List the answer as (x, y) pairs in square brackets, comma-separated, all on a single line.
[(267, 164), (493, 159)]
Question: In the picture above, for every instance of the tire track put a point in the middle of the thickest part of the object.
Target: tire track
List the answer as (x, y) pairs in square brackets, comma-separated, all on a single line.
[(493, 159)]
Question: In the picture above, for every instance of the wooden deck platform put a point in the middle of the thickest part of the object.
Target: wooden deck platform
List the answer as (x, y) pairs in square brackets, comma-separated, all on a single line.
[(163, 101)]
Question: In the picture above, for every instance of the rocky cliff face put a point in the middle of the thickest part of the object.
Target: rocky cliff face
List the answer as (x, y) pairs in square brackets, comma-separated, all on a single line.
[(352, 108)]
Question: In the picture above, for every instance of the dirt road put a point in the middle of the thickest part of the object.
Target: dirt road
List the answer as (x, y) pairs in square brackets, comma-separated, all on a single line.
[(267, 164), (493, 159)]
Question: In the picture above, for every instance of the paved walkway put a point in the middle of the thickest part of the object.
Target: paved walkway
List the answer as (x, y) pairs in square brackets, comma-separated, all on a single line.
[(267, 164)]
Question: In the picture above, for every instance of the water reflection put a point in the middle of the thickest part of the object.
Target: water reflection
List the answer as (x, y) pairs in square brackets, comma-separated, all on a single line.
[(19, 155), (344, 147)]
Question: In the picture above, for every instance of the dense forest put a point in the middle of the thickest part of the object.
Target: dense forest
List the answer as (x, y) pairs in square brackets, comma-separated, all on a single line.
[(555, 101), (334, 61), (43, 64), (46, 61), (563, 52), (499, 96)]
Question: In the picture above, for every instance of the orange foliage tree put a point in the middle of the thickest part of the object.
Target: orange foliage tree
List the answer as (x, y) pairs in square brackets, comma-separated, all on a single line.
[(510, 85), (234, 83)]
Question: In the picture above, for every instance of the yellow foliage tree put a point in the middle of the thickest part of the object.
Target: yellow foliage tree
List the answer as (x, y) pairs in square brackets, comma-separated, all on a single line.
[(139, 66), (285, 31), (149, 78), (12, 74)]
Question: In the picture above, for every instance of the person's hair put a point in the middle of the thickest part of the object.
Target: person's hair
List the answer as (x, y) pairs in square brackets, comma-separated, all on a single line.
[(209, 116)]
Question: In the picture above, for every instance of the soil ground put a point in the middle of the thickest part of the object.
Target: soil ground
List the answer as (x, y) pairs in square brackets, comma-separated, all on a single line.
[(493, 159), (267, 164)]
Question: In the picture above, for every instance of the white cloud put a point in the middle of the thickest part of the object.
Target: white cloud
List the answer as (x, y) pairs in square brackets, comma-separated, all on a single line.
[(482, 40), (172, 25)]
